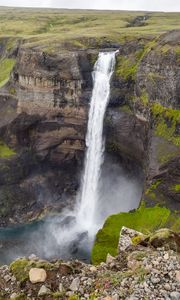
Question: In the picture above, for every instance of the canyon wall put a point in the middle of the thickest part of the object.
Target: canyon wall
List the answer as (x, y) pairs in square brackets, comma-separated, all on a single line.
[(44, 109)]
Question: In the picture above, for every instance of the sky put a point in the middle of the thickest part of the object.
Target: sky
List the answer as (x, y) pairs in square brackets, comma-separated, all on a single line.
[(152, 5)]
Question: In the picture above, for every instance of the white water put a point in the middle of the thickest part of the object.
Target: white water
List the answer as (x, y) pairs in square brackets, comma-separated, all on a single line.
[(86, 210)]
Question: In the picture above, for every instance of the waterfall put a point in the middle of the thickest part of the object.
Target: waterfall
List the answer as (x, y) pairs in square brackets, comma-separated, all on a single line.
[(86, 211)]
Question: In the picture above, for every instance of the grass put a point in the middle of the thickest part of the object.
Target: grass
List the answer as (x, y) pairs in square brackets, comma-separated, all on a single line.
[(5, 151), (6, 66), (166, 122), (51, 27), (143, 219)]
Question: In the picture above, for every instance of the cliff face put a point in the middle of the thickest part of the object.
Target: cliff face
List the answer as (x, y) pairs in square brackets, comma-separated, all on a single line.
[(144, 123), (44, 120), (44, 109)]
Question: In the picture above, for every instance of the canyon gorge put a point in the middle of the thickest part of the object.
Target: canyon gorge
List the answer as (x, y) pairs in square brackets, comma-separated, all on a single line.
[(44, 100)]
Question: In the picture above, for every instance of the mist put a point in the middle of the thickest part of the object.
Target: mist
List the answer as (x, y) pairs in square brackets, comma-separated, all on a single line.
[(60, 236)]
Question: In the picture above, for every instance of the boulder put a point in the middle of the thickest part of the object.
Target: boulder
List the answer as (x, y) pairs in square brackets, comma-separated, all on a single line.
[(37, 275), (127, 236)]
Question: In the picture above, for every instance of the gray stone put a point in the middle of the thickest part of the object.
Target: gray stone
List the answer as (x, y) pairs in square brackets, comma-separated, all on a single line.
[(109, 258), (155, 280), (167, 287), (126, 235), (13, 296), (7, 278), (175, 296), (44, 291), (61, 288), (93, 269), (115, 297), (75, 284), (177, 276)]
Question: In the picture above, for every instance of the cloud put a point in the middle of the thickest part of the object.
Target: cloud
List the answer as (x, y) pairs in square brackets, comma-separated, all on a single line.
[(161, 5)]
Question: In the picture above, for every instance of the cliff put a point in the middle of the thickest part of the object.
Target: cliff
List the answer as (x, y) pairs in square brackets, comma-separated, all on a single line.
[(44, 96)]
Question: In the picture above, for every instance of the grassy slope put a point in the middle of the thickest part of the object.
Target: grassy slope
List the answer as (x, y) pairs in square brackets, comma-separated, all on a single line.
[(6, 66), (47, 27), (144, 219)]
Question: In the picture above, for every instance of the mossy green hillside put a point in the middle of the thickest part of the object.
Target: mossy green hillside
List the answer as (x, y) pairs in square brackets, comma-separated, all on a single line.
[(5, 151), (6, 66), (166, 122), (143, 219)]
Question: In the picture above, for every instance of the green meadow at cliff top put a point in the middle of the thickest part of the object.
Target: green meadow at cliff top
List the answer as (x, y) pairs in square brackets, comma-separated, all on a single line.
[(36, 25)]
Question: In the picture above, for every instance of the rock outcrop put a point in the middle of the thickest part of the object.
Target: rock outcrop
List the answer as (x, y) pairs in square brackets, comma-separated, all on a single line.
[(139, 271)]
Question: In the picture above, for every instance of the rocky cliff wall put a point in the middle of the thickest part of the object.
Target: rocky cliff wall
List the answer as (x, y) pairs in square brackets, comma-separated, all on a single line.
[(44, 116)]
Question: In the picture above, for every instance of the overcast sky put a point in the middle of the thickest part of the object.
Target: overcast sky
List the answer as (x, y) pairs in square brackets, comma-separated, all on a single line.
[(157, 5)]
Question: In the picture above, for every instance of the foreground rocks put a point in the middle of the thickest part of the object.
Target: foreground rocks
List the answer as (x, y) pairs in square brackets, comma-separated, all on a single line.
[(138, 272)]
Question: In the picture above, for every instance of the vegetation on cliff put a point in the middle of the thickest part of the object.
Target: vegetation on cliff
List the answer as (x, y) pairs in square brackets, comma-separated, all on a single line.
[(6, 66), (144, 219), (166, 122), (5, 151)]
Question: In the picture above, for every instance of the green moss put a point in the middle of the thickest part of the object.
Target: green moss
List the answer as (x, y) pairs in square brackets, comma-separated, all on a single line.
[(160, 234), (74, 297), (166, 122), (166, 151), (143, 219), (153, 186), (12, 91), (125, 67), (93, 58), (139, 255), (112, 147), (5, 151), (20, 297), (176, 188), (6, 66), (20, 269), (144, 98), (58, 295), (125, 108), (42, 264), (136, 239)]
